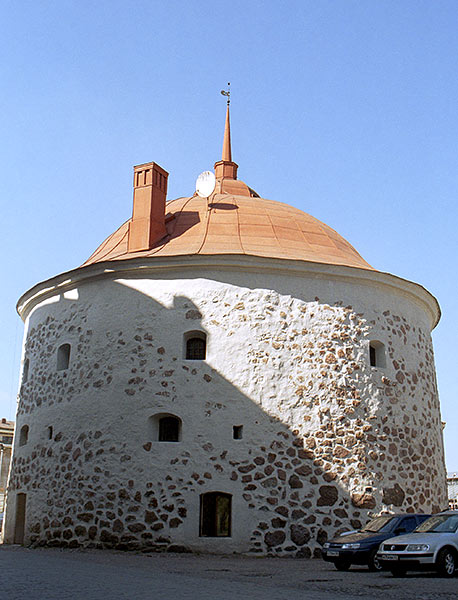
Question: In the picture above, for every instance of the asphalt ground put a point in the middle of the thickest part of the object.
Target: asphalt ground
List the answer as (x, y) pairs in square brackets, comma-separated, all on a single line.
[(54, 574)]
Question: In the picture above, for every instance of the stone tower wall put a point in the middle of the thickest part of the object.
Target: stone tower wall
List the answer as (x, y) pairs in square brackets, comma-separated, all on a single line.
[(327, 439)]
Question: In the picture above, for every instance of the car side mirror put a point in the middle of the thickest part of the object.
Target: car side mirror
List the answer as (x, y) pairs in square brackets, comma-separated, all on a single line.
[(400, 530)]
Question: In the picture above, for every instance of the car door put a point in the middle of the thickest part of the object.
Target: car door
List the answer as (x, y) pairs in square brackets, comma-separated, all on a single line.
[(406, 525)]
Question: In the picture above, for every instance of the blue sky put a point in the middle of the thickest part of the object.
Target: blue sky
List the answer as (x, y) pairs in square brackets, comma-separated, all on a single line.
[(345, 109)]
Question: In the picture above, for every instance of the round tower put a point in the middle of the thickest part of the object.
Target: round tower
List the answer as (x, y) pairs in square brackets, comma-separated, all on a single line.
[(223, 374)]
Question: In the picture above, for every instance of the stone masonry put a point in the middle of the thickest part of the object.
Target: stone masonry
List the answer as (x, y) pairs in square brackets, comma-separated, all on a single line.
[(328, 439)]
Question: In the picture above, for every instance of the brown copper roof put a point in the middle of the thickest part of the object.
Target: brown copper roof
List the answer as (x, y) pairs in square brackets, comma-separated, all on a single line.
[(229, 224), (233, 220)]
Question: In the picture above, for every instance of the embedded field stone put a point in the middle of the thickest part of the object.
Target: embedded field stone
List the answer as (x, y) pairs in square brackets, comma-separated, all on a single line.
[(400, 377), (322, 537), (341, 452), (136, 527), (84, 517), (304, 553), (118, 526), (175, 522), (107, 537), (178, 549), (80, 530), (269, 483), (278, 523), (299, 534), (304, 470), (394, 495), (328, 495), (298, 514), (302, 453), (274, 538), (246, 468), (363, 500), (282, 510), (295, 482), (356, 523)]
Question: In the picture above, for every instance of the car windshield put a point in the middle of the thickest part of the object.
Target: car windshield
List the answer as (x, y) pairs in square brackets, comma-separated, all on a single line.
[(379, 524), (439, 524)]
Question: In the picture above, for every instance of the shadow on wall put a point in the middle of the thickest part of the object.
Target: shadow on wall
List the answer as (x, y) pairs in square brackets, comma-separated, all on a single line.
[(238, 470)]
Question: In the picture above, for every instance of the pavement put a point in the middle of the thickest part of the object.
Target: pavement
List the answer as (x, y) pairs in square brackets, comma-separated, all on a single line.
[(55, 574)]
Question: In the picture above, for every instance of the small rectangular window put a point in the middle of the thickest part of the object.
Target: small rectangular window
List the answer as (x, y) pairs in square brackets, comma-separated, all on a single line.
[(377, 356), (50, 432), (237, 432)]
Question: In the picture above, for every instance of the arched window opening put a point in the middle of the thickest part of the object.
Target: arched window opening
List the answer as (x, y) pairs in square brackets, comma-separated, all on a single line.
[(195, 345), (377, 356), (63, 357), (169, 429), (23, 435), (165, 427), (25, 370), (215, 514)]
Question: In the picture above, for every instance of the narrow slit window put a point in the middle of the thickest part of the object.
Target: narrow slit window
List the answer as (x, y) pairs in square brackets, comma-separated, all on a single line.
[(50, 432), (237, 432), (215, 514), (24, 435), (25, 371), (372, 355), (63, 357)]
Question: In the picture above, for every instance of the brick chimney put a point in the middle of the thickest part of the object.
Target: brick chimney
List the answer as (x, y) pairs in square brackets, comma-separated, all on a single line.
[(148, 216)]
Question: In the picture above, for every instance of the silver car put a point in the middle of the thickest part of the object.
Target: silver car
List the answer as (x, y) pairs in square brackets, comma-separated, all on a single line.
[(433, 545)]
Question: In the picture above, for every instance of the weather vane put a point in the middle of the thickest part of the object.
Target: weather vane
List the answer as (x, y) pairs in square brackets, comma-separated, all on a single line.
[(227, 93)]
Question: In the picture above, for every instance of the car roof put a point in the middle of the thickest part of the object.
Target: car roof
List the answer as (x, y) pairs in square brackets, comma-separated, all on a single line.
[(407, 515)]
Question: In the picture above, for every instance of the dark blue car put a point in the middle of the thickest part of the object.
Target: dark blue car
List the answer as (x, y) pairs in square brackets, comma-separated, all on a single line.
[(360, 547)]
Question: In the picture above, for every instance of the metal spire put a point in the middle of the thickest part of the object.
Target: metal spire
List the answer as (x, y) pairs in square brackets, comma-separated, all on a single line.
[(227, 151)]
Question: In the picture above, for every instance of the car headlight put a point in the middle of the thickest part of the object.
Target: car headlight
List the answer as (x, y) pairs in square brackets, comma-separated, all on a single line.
[(326, 545), (350, 546), (417, 547)]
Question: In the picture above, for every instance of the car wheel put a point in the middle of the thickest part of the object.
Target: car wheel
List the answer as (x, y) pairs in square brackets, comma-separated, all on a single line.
[(446, 562), (373, 563), (398, 571), (342, 565)]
